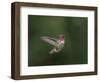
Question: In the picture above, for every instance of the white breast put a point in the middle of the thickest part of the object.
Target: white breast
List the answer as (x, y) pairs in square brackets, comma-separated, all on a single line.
[(61, 42)]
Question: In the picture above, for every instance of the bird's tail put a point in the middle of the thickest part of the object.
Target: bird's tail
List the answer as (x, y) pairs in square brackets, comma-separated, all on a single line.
[(52, 51)]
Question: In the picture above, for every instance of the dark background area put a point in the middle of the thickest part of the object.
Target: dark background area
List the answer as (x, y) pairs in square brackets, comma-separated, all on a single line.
[(75, 32)]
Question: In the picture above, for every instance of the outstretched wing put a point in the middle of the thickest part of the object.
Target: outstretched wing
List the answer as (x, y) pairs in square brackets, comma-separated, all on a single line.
[(49, 40)]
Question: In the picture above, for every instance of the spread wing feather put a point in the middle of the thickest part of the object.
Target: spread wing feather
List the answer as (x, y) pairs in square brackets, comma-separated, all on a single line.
[(49, 40)]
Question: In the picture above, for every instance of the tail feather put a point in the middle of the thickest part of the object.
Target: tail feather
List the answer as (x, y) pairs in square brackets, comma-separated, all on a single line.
[(52, 51)]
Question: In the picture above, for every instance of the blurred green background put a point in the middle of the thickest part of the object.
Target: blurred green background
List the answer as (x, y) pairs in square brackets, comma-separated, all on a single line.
[(75, 32)]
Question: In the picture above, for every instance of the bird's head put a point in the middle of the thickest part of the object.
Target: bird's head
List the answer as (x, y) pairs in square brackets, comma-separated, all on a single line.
[(61, 37)]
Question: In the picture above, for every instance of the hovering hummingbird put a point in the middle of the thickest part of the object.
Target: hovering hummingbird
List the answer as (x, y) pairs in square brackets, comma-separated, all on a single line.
[(58, 43)]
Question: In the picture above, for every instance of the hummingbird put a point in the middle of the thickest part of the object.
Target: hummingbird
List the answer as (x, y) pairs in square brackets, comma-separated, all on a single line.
[(57, 43)]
